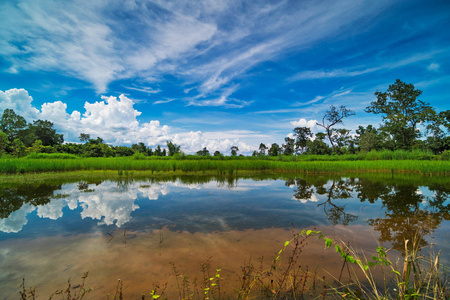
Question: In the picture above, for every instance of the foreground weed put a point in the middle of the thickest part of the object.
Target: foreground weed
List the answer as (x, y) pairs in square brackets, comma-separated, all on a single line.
[(74, 292)]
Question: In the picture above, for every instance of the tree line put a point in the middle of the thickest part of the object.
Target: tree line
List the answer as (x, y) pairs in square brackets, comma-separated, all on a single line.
[(401, 110)]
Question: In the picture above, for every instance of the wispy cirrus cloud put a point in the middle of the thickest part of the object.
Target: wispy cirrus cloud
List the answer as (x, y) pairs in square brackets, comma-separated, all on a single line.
[(358, 71), (206, 44)]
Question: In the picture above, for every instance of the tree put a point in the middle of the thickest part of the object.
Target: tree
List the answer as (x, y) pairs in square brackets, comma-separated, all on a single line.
[(18, 148), (4, 142), (173, 148), (318, 146), (341, 138), (302, 136), (84, 137), (332, 117), (438, 142), (217, 153), (234, 150), (204, 152), (288, 147), (274, 149), (12, 124), (402, 111), (368, 138), (262, 149), (140, 147), (158, 151), (43, 130)]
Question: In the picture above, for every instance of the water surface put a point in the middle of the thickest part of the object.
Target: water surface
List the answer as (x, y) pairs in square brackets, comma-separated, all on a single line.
[(131, 229)]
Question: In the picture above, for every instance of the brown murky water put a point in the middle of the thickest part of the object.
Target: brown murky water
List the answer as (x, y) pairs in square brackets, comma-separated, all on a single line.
[(133, 230)]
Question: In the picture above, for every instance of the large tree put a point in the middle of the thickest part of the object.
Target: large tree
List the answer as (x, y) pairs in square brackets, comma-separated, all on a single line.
[(234, 150), (43, 130), (302, 136), (274, 149), (173, 148), (288, 147), (402, 111), (332, 117), (11, 124)]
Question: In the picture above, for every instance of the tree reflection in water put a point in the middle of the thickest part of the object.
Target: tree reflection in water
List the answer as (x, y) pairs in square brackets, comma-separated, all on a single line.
[(339, 189), (405, 210), (409, 214)]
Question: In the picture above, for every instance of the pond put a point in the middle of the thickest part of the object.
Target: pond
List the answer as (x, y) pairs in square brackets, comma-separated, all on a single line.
[(147, 232)]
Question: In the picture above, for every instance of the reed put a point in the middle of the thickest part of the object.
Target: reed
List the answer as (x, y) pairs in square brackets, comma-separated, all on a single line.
[(39, 165)]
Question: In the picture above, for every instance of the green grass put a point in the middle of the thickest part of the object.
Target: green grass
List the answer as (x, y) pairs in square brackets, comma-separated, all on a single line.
[(221, 167)]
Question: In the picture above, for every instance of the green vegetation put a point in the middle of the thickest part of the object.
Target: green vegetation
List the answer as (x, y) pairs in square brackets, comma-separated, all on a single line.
[(384, 161)]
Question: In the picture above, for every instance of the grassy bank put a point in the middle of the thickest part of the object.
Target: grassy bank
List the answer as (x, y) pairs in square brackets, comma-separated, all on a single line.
[(221, 167)]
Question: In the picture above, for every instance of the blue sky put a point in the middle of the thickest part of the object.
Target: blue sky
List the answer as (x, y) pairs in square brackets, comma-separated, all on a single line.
[(214, 73)]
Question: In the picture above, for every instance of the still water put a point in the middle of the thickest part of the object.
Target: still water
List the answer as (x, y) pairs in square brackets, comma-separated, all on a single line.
[(132, 229)]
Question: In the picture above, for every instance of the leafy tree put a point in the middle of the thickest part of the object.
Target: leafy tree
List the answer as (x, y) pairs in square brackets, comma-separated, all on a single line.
[(368, 138), (43, 130), (262, 149), (123, 151), (217, 153), (4, 142), (402, 111), (12, 124), (18, 148), (318, 146), (288, 147), (234, 150), (37, 147), (203, 152), (96, 141), (84, 137), (438, 142), (341, 138), (274, 149), (93, 150), (302, 136), (140, 147), (332, 117), (173, 148), (159, 152)]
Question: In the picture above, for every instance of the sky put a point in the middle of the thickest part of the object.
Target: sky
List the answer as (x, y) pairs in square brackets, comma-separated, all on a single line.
[(213, 73)]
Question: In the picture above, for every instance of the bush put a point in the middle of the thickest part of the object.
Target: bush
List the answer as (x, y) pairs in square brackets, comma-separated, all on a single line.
[(35, 155), (138, 156), (445, 155)]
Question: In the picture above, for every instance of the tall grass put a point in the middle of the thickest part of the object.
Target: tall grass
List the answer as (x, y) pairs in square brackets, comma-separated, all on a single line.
[(221, 167)]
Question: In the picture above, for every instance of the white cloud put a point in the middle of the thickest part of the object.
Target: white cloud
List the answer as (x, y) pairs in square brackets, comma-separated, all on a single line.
[(16, 220), (207, 44), (356, 71), (19, 101), (433, 67), (115, 120), (304, 123), (52, 210)]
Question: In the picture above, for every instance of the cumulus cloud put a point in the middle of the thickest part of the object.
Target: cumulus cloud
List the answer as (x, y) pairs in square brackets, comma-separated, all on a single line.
[(16, 220), (20, 101), (304, 123), (114, 119), (109, 204)]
